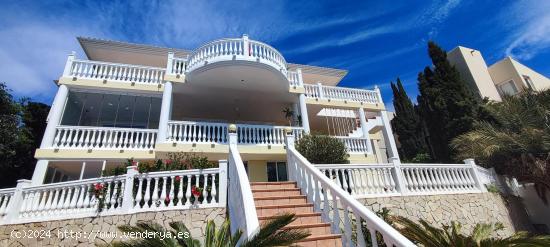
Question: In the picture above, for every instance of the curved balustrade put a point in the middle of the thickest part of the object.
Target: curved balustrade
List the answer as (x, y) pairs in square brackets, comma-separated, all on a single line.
[(266, 53), (342, 93), (74, 198), (197, 132), (104, 138), (294, 78), (362, 180), (265, 134), (116, 72), (338, 207), (429, 178), (176, 189), (355, 144)]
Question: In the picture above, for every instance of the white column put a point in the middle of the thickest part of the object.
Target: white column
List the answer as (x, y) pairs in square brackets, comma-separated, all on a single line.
[(165, 112), (69, 64), (39, 172), (82, 169), (300, 79), (303, 113), (246, 46), (169, 63), (398, 176), (388, 136), (127, 199), (54, 117), (222, 193), (364, 129)]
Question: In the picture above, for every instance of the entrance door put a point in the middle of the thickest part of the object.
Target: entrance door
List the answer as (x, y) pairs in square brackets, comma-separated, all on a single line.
[(276, 171)]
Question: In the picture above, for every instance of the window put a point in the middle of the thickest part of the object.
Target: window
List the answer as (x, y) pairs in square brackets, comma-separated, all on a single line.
[(529, 82), (507, 88), (276, 171), (110, 110)]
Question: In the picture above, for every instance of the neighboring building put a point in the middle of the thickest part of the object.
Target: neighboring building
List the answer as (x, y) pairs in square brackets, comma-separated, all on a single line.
[(505, 77)]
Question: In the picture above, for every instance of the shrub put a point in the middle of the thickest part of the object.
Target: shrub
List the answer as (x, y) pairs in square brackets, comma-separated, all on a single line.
[(322, 149)]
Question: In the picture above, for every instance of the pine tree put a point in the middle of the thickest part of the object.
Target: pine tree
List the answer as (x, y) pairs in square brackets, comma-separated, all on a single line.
[(406, 123), (446, 105)]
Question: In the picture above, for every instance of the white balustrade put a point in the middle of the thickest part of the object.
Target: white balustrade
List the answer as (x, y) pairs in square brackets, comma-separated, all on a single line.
[(177, 190), (265, 134), (342, 93), (355, 144), (423, 179), (196, 132), (5, 198), (338, 207), (363, 180), (116, 72), (241, 206), (266, 53), (179, 66), (70, 199), (294, 78), (217, 50), (68, 137)]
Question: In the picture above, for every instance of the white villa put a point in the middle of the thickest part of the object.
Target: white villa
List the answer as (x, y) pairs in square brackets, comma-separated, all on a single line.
[(225, 100)]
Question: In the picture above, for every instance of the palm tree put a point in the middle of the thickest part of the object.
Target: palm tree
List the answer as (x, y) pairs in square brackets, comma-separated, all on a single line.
[(517, 142), (269, 234), (288, 115), (430, 236)]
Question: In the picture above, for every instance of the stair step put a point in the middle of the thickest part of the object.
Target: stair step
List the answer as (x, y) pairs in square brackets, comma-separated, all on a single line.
[(273, 185), (328, 240), (315, 229), (279, 200), (270, 210), (275, 192), (301, 218)]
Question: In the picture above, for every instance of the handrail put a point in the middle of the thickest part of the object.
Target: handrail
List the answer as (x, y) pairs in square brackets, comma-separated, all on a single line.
[(104, 137), (241, 207), (317, 187), (88, 69), (342, 93)]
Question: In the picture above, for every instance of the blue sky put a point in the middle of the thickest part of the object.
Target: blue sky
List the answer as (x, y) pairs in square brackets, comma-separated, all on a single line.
[(376, 41)]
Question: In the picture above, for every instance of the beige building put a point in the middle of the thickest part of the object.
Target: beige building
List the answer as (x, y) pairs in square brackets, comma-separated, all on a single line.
[(505, 77)]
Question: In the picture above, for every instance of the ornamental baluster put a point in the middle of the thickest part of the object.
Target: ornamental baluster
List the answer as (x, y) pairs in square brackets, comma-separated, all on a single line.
[(154, 199), (188, 191), (139, 192), (214, 191), (148, 194)]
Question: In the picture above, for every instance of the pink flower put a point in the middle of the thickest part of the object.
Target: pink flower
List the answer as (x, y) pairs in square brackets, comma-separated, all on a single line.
[(98, 186), (178, 178), (195, 191), (168, 162), (167, 199), (134, 163)]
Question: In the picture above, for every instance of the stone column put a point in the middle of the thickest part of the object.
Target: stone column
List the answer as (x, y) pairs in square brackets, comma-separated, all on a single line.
[(54, 117), (303, 113), (128, 197), (165, 112), (388, 135)]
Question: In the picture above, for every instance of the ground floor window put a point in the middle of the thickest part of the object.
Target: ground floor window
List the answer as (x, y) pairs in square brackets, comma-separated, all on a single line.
[(276, 171)]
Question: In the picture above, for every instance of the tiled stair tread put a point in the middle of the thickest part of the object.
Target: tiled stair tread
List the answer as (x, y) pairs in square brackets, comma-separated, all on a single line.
[(272, 183), (298, 215), (275, 190), (294, 205), (310, 225), (279, 197), (321, 237)]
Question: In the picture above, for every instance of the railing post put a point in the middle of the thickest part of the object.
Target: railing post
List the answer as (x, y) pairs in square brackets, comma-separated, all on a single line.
[(289, 142), (320, 88), (69, 64), (165, 112), (475, 173), (378, 94), (222, 191), (303, 112), (12, 211), (232, 129), (246, 46), (170, 63), (128, 196), (398, 174), (300, 78)]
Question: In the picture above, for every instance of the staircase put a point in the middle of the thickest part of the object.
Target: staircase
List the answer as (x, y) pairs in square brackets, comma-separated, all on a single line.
[(273, 198)]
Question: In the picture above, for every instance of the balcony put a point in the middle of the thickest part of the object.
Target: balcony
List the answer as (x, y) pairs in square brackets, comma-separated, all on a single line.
[(104, 138), (319, 92), (104, 72)]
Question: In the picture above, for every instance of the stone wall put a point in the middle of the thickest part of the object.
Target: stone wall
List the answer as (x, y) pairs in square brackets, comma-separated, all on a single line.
[(102, 230), (468, 209)]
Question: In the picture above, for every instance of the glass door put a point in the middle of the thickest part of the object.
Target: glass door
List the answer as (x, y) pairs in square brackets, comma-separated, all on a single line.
[(276, 171)]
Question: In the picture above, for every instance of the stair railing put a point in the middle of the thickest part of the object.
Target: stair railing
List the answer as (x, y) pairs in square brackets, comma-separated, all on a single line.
[(344, 213)]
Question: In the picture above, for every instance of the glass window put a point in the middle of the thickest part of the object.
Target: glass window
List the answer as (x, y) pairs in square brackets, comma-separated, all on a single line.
[(92, 108), (154, 113), (508, 88), (141, 112), (73, 108), (125, 111), (108, 110), (276, 171), (529, 82)]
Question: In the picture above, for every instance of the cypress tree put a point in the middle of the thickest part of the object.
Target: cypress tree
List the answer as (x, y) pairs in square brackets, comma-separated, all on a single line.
[(406, 123), (446, 105)]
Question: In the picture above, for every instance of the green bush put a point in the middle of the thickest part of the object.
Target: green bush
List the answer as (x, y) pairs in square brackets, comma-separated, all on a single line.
[(322, 149)]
